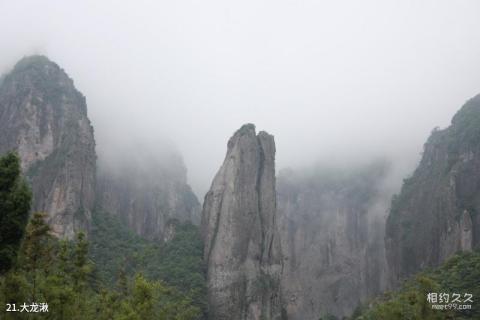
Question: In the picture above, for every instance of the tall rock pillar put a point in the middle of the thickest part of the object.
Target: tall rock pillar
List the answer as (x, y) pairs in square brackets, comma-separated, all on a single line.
[(242, 246)]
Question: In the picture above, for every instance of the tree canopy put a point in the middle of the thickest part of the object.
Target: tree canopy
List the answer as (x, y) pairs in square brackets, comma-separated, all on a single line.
[(15, 199)]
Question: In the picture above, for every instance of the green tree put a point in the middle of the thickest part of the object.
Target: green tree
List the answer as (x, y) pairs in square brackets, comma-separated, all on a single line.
[(15, 198), (82, 267), (460, 274), (14, 287), (63, 262), (142, 299), (58, 289), (36, 250), (122, 282), (60, 272)]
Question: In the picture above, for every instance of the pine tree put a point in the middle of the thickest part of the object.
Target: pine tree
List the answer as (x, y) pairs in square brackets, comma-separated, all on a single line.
[(143, 298), (107, 305), (63, 261), (81, 264), (122, 282), (36, 249), (13, 289), (59, 289), (15, 198)]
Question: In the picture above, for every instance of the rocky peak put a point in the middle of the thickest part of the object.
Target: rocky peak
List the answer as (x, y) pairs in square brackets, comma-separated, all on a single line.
[(44, 118), (436, 212), (242, 246)]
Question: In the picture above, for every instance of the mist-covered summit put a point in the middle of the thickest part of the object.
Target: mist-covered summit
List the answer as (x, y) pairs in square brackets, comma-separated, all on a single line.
[(239, 228), (310, 243), (436, 212), (44, 118)]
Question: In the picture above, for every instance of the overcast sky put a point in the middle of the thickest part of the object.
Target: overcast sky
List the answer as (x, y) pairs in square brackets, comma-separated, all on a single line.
[(330, 79)]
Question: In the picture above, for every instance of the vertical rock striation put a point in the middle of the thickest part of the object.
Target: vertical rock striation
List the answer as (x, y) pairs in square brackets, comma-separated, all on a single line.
[(146, 191), (331, 223), (242, 246), (437, 212), (44, 118)]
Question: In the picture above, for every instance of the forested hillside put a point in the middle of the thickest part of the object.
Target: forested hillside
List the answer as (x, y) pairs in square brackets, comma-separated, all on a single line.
[(117, 236), (117, 252), (458, 278), (82, 279)]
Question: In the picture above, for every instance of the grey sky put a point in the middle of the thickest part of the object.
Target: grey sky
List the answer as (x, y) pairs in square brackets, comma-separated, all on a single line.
[(330, 79)]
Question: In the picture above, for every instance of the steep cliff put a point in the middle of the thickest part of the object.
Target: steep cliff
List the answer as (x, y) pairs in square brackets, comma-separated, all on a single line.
[(146, 191), (331, 222), (242, 246), (44, 118), (437, 211)]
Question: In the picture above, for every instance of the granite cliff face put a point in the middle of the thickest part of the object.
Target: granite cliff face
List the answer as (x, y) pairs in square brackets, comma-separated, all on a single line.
[(146, 193), (437, 211), (242, 246), (331, 223), (44, 118)]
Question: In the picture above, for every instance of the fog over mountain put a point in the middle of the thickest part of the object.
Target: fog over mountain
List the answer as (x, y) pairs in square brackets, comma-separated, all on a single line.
[(336, 82)]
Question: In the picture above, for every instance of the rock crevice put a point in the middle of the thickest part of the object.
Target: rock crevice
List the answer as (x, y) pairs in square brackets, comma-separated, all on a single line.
[(436, 213), (44, 118), (242, 246)]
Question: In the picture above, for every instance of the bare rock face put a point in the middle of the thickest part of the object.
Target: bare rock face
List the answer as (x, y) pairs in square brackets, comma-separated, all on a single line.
[(242, 246), (437, 211), (44, 118), (146, 193), (331, 223)]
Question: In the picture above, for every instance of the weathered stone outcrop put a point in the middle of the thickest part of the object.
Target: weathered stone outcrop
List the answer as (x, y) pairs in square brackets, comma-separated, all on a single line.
[(242, 246), (44, 118), (146, 193), (331, 223), (437, 211)]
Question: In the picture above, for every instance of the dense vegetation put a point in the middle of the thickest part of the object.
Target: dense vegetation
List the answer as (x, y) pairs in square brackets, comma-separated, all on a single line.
[(118, 276), (441, 195), (62, 274), (465, 129), (459, 275), (116, 250), (15, 198)]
